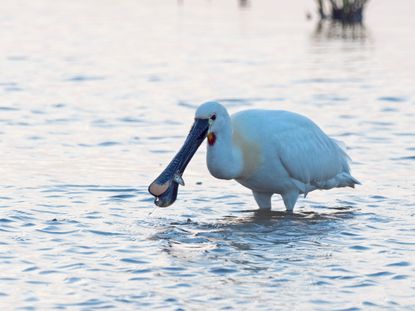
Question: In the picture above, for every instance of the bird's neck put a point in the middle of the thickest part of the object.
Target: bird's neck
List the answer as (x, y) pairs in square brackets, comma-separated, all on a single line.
[(224, 159)]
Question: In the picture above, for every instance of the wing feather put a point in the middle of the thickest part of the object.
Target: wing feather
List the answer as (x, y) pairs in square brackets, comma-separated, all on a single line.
[(309, 155)]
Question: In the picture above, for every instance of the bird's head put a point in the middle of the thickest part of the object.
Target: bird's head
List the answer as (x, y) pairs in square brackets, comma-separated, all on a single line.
[(217, 117), (209, 118)]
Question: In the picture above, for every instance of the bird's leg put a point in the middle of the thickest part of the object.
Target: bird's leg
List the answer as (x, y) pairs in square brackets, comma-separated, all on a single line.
[(263, 199), (289, 199)]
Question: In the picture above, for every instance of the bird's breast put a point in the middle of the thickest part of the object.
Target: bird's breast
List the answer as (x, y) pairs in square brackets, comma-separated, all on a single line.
[(250, 152)]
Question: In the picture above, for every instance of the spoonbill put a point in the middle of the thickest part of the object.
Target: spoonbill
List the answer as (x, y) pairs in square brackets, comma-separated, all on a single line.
[(267, 151)]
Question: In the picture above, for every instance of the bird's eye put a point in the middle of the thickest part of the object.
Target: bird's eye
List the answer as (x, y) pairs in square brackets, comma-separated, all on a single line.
[(213, 117)]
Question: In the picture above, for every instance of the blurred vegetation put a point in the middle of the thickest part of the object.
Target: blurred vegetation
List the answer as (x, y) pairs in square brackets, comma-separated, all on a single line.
[(345, 11), (335, 30)]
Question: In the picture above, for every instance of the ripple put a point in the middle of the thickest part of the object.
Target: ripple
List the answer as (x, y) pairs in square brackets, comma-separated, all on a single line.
[(142, 271), (133, 261), (131, 120), (222, 271), (187, 104), (72, 266), (109, 144), (55, 230), (366, 283), (410, 158), (395, 99), (72, 280), (6, 108), (30, 269), (235, 101), (399, 264), (37, 282), (84, 78), (106, 233), (380, 274), (123, 196), (326, 80), (5, 220), (91, 303), (47, 272), (106, 189), (139, 278), (400, 277)]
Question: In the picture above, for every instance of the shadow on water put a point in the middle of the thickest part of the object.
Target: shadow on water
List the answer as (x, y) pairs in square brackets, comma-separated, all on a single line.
[(257, 232)]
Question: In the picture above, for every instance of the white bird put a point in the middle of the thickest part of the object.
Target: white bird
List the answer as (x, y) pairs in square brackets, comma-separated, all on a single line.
[(267, 151)]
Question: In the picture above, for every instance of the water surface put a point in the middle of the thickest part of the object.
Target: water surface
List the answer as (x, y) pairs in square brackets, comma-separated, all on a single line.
[(95, 99)]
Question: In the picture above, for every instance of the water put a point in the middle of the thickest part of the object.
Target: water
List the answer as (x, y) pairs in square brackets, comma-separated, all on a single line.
[(97, 96)]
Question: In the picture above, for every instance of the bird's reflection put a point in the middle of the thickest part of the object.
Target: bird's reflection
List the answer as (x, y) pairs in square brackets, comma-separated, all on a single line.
[(268, 217)]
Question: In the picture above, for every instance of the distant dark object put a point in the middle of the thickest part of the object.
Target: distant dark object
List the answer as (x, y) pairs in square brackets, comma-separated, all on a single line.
[(244, 3), (345, 11)]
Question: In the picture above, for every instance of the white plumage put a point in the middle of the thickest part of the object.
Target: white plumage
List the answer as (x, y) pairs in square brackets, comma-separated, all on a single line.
[(273, 151)]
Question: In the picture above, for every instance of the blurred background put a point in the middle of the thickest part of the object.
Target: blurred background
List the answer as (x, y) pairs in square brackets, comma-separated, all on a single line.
[(97, 96)]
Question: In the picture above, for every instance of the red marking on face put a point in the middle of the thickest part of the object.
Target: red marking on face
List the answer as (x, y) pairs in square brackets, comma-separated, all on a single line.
[(211, 138)]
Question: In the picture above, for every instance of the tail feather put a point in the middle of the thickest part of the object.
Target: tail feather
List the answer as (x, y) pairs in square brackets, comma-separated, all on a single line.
[(340, 180)]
